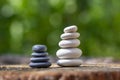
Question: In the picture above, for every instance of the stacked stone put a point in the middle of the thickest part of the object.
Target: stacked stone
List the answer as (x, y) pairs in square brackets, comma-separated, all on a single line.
[(69, 53), (39, 57)]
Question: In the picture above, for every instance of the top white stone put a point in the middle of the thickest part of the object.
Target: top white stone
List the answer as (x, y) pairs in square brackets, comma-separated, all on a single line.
[(70, 29)]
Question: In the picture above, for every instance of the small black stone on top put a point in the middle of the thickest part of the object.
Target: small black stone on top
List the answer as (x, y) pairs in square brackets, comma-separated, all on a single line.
[(39, 48)]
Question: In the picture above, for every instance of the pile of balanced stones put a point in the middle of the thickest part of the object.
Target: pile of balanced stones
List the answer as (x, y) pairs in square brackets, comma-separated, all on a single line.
[(39, 57), (69, 53)]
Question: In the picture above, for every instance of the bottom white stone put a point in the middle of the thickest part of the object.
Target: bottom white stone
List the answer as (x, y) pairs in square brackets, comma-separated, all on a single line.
[(69, 62)]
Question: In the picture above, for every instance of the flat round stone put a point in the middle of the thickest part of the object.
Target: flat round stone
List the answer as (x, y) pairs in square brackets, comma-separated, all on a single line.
[(69, 43), (40, 65), (69, 62), (69, 53), (39, 59), (70, 35), (39, 48), (42, 54), (70, 29)]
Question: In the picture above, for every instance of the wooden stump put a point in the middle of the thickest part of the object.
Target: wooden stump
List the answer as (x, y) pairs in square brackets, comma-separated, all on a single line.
[(84, 72)]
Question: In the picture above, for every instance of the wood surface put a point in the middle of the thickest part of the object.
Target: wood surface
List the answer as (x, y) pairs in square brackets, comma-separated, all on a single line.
[(83, 72)]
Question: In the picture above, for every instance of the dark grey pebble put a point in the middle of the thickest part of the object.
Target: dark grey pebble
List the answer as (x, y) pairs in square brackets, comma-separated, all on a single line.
[(39, 48), (39, 59), (42, 54), (40, 65)]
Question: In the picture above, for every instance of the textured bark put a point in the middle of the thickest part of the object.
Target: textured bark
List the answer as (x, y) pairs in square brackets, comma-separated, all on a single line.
[(84, 72)]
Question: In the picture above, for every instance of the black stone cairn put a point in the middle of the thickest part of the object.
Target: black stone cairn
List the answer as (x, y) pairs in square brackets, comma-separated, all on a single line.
[(39, 57)]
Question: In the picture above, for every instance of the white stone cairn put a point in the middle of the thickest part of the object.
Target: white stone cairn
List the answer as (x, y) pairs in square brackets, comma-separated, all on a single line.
[(69, 54)]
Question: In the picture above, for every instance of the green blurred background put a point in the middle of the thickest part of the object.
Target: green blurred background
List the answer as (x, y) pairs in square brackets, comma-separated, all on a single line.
[(24, 23)]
